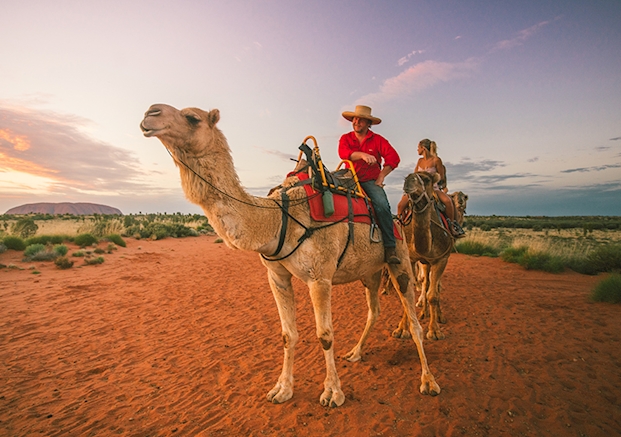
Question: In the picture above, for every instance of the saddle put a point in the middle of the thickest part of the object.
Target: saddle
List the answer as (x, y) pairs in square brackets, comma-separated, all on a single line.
[(333, 197), (406, 216)]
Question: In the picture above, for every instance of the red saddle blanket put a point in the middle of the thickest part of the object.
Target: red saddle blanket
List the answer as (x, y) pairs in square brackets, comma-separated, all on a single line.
[(362, 213)]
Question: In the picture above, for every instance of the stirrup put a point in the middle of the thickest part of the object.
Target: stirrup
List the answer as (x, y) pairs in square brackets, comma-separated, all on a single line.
[(456, 229), (374, 236)]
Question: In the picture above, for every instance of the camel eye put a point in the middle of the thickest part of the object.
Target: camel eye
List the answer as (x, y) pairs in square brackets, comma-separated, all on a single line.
[(192, 119)]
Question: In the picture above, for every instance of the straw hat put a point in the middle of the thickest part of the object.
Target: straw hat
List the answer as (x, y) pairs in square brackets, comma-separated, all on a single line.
[(361, 111)]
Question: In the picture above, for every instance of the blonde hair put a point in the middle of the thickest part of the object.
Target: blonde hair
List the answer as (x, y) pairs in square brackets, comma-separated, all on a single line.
[(433, 148)]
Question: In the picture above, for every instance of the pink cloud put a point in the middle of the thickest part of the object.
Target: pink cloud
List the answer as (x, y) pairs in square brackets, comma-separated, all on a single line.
[(420, 77)]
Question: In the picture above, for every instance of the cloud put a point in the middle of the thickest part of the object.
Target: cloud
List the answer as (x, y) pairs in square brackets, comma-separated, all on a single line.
[(615, 139), (407, 57), (590, 169), (535, 159), (522, 36), (418, 78), (281, 155), (599, 199), (50, 147)]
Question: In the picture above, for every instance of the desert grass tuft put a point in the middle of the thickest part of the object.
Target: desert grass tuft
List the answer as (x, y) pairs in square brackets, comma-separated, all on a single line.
[(94, 261), (14, 243), (116, 239), (481, 243), (608, 290), (84, 240), (63, 263)]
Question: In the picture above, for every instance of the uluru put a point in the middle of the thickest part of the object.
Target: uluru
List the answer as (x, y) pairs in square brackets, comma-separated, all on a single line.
[(64, 208)]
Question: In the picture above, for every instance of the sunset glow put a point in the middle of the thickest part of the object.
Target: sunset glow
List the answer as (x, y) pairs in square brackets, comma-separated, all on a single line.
[(19, 142), (522, 98)]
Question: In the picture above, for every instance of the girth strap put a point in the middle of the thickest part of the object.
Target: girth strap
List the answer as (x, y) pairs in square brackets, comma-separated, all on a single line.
[(285, 220)]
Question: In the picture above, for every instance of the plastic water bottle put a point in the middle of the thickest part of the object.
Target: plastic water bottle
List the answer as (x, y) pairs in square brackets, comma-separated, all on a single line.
[(328, 203)]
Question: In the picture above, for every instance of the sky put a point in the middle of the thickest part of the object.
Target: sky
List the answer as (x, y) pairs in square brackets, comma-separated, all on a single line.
[(522, 98)]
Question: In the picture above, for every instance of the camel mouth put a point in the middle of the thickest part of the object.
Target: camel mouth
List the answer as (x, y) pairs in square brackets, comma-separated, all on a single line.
[(148, 132)]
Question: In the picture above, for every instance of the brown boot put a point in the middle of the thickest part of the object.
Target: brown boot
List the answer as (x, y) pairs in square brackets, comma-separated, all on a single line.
[(390, 256)]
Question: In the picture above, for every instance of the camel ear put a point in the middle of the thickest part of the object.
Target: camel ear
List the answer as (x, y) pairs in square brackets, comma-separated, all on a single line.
[(213, 117)]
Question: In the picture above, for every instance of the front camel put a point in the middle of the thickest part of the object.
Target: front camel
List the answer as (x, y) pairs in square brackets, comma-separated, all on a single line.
[(201, 152)]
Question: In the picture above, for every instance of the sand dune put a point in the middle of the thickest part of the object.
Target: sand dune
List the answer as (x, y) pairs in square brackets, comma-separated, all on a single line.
[(182, 337)]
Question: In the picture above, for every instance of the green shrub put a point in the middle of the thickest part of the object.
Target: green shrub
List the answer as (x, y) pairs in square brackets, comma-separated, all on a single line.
[(513, 254), (47, 239), (33, 249), (93, 261), (116, 239), (608, 290), (44, 255), (99, 251), (84, 240), (606, 258), (14, 243), (158, 231), (61, 249), (78, 254), (63, 263), (25, 227), (541, 261), (476, 248), (581, 265)]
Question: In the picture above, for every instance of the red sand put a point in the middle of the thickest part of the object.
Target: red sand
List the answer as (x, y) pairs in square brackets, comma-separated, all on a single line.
[(182, 337)]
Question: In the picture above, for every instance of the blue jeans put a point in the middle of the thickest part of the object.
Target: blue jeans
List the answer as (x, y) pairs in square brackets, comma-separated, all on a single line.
[(382, 211)]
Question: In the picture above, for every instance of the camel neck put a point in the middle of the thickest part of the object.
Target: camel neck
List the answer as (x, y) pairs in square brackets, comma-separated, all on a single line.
[(241, 220)]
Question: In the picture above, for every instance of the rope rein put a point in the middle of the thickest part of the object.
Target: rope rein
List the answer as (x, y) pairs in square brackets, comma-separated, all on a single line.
[(278, 206), (284, 207)]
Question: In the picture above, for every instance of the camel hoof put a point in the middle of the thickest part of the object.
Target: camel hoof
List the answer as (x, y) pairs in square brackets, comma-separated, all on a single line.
[(401, 333), (279, 394), (435, 335), (353, 356), (332, 398), (430, 388)]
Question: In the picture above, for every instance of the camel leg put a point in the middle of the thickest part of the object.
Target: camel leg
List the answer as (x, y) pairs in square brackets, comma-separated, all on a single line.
[(423, 299), (403, 329), (371, 288), (441, 318), (433, 298), (282, 290), (321, 294), (406, 294)]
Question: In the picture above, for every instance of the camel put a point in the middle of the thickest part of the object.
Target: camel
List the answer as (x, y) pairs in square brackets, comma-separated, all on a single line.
[(430, 246), (459, 200), (208, 177)]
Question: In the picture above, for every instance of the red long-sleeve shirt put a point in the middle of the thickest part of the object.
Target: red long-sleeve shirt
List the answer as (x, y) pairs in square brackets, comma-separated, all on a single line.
[(373, 144)]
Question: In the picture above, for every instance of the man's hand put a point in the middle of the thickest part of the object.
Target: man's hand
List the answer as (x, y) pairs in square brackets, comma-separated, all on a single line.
[(369, 159)]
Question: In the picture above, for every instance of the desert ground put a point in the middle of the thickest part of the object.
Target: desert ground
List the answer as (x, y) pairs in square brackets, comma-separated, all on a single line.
[(181, 337)]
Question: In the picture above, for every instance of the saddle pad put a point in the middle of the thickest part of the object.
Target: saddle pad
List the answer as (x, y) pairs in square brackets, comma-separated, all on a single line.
[(341, 207)]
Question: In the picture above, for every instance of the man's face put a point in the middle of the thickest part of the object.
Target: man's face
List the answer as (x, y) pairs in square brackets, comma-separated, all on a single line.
[(360, 125)]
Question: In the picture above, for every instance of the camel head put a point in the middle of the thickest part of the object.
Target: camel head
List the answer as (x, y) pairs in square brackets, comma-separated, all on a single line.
[(460, 200), (419, 187), (185, 131)]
